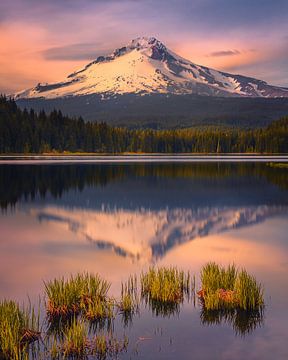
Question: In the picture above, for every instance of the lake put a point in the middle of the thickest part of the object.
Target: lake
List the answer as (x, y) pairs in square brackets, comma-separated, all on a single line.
[(119, 218)]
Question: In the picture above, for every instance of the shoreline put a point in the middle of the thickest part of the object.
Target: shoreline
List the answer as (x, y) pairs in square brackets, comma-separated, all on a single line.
[(140, 158)]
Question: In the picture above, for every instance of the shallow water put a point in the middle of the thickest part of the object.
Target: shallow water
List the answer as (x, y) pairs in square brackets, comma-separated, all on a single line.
[(119, 219)]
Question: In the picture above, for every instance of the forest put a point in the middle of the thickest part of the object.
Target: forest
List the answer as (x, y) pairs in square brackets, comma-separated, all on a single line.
[(23, 131)]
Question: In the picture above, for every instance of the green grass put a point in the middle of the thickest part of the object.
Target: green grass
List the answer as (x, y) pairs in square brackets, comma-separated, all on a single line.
[(229, 288), (75, 340), (165, 284), (129, 295), (164, 289), (98, 309), (248, 293), (18, 328), (82, 292)]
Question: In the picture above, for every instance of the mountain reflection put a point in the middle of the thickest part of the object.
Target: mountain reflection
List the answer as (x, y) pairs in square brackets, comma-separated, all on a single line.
[(146, 235)]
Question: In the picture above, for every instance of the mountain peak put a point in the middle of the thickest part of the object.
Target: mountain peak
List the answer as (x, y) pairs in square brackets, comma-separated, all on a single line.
[(146, 66), (146, 43)]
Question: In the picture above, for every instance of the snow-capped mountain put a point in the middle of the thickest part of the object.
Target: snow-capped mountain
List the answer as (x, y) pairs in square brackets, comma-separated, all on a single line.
[(146, 66)]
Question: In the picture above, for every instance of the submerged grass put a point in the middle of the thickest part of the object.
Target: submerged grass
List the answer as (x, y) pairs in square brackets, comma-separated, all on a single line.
[(18, 328), (224, 288)]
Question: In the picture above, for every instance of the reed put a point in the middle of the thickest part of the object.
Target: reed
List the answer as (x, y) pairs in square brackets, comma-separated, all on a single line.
[(98, 309), (18, 328), (103, 347), (166, 285), (224, 288), (129, 295), (248, 292), (82, 292), (75, 340)]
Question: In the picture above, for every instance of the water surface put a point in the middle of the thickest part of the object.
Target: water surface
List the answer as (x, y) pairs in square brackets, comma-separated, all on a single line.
[(121, 218)]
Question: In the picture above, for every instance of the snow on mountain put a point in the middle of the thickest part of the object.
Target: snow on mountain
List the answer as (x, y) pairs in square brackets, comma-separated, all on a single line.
[(146, 235), (146, 66)]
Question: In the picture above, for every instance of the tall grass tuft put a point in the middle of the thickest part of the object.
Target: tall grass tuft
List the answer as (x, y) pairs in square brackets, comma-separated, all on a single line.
[(248, 292), (68, 297), (165, 284), (75, 340), (18, 328), (227, 288), (164, 289)]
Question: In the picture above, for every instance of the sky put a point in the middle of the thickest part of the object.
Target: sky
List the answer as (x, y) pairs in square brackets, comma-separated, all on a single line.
[(46, 40)]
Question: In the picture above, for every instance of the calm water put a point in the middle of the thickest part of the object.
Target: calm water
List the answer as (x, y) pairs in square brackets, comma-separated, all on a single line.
[(118, 219)]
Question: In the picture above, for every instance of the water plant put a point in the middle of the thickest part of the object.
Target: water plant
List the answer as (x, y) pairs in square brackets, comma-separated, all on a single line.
[(82, 292), (97, 309), (108, 346), (165, 284), (129, 302), (19, 327), (75, 340), (248, 293), (164, 289), (224, 288)]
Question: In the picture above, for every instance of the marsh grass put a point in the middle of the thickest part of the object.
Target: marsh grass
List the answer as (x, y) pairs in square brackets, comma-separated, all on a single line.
[(227, 288), (129, 302), (97, 309), (85, 293), (165, 284), (104, 347), (75, 340), (164, 289), (19, 327)]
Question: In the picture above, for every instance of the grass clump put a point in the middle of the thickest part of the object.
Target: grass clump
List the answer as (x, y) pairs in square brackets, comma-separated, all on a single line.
[(224, 288), (165, 284), (18, 328), (75, 340), (164, 289), (248, 293), (68, 297), (98, 309)]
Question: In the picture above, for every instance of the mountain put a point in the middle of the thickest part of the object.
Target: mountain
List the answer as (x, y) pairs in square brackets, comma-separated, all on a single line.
[(144, 84), (146, 66)]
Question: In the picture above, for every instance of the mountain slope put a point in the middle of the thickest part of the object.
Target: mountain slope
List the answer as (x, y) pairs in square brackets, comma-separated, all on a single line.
[(146, 66)]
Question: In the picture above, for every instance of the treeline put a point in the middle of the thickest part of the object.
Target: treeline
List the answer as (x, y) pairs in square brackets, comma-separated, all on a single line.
[(30, 132)]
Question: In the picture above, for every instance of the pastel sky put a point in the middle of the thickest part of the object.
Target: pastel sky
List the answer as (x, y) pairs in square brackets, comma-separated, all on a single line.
[(45, 40)]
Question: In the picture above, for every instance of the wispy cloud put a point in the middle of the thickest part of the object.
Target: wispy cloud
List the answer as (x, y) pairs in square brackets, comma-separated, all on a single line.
[(84, 51), (67, 33), (224, 53)]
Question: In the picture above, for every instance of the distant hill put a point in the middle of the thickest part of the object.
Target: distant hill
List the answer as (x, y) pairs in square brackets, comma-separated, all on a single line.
[(167, 111)]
